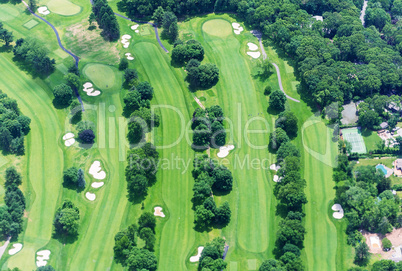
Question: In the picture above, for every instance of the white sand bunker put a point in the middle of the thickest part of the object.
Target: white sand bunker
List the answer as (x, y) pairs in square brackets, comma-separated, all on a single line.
[(134, 27), (276, 178), (224, 151), (274, 167), (42, 257), (196, 258), (237, 28), (90, 196), (16, 248), (137, 31), (43, 10), (69, 139), (254, 54), (124, 40), (90, 90), (96, 171), (338, 214), (158, 212), (129, 56), (97, 184), (252, 46)]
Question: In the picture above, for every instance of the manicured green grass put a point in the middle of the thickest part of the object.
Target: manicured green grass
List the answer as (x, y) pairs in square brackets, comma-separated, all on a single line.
[(8, 13), (42, 185), (177, 237), (63, 7), (371, 139), (101, 75), (217, 27), (31, 24)]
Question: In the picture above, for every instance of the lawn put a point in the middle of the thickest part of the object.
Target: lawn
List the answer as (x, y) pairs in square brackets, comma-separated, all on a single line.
[(252, 232), (63, 7), (371, 139)]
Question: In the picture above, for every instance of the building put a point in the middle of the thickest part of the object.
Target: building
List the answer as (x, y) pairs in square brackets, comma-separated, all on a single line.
[(384, 125), (394, 107), (398, 164)]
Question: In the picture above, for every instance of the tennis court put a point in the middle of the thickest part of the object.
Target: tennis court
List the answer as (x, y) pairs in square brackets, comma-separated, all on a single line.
[(354, 137)]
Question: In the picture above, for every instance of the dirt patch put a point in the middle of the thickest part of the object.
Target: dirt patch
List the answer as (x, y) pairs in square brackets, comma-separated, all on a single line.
[(90, 44), (26, 215), (395, 237)]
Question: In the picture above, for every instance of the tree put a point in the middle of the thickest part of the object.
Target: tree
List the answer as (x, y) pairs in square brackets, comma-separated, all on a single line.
[(285, 150), (277, 138), (173, 32), (384, 265), (203, 216), (24, 121), (201, 137), (148, 236), (91, 18), (369, 119), (6, 36), (32, 5), (223, 179), (146, 90), (203, 76), (81, 179), (386, 244), (170, 29), (73, 80), (124, 242), (13, 178), (264, 69), (147, 220), (271, 265), (362, 254), (223, 213), (123, 65), (397, 8), (202, 190), (141, 259), (130, 76), (63, 95), (66, 220), (76, 111), (291, 232), (377, 17), (5, 139), (194, 63), (87, 136), (287, 120), (184, 53), (17, 146), (158, 16), (218, 137), (267, 90), (133, 102), (70, 177), (137, 186), (277, 100)]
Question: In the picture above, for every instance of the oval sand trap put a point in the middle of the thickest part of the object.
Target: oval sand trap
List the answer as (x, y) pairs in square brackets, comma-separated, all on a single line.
[(101, 75), (63, 7), (196, 258), (217, 27), (16, 248)]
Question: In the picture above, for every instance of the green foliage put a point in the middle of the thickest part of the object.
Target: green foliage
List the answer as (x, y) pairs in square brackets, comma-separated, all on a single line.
[(146, 90), (158, 16), (277, 138), (211, 256), (46, 268), (147, 220), (106, 19), (35, 55), (87, 136), (32, 5), (204, 76), (170, 28), (73, 80), (277, 100), (287, 120), (13, 178), (70, 177), (66, 221), (130, 77), (137, 186), (285, 150), (123, 65), (5, 35), (63, 95), (362, 254), (141, 259), (183, 53), (386, 244), (148, 236), (81, 179), (377, 17), (267, 90), (271, 265)]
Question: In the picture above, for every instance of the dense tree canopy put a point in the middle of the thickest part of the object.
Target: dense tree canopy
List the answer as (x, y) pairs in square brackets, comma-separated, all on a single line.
[(106, 19), (66, 221)]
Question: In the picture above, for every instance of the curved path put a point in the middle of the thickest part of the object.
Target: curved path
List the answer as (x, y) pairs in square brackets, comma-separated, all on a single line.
[(258, 35), (76, 58), (363, 13), (142, 22)]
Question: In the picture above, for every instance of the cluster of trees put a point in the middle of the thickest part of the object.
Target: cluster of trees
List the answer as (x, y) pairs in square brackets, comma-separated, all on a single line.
[(368, 203), (169, 23), (137, 107), (13, 126), (74, 178), (106, 19), (11, 214), (212, 256), (210, 177), (66, 221), (373, 111), (285, 128), (208, 128), (126, 251), (5, 35), (182, 53), (141, 171), (277, 100), (35, 55)]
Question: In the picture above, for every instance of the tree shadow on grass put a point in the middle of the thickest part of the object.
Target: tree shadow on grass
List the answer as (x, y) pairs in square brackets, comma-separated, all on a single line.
[(65, 239), (273, 111), (6, 49)]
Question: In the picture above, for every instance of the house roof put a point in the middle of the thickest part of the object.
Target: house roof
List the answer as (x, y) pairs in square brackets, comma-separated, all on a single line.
[(384, 125), (398, 163)]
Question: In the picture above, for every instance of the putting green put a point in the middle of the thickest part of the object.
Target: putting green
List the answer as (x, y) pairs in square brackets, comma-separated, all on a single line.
[(31, 24), (8, 12), (101, 75), (63, 7), (217, 27)]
